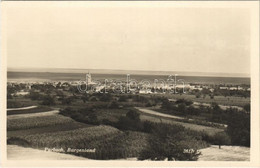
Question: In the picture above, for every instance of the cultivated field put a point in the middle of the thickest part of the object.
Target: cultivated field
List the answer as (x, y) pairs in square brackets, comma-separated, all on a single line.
[(16, 122), (195, 127), (48, 129), (228, 101), (122, 126), (109, 142)]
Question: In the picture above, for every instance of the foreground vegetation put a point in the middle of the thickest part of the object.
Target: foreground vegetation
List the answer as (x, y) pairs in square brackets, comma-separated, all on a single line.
[(110, 123)]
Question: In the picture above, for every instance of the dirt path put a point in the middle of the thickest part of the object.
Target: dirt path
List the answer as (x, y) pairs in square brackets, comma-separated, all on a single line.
[(148, 111), (15, 152), (52, 112), (226, 153), (166, 118), (21, 108)]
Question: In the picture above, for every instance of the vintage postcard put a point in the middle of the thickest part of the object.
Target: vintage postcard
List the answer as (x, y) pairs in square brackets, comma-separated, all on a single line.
[(128, 83)]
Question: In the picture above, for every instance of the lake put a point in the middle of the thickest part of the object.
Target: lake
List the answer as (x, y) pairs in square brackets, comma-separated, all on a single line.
[(54, 76)]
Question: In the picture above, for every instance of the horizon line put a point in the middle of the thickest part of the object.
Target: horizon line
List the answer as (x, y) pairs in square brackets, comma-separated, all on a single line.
[(192, 73)]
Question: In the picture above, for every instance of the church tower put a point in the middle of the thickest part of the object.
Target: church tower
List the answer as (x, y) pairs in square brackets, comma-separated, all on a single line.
[(88, 78)]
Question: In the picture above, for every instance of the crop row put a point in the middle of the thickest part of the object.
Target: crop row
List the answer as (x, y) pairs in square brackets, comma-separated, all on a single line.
[(36, 122), (109, 142)]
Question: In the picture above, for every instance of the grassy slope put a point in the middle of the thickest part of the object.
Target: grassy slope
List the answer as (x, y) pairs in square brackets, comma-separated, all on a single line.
[(195, 127), (14, 124), (229, 101)]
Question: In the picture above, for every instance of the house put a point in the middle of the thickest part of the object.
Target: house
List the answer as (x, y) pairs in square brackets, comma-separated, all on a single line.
[(223, 88)]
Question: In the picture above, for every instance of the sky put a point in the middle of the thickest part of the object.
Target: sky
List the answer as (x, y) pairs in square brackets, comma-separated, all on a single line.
[(159, 39)]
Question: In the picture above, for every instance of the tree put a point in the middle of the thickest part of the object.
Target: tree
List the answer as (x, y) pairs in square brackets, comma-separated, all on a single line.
[(217, 112), (113, 105), (122, 98), (198, 95), (48, 100), (105, 97), (92, 118), (93, 98), (168, 142), (34, 95), (130, 122), (166, 104), (238, 127), (182, 108), (221, 138), (247, 108), (9, 96), (66, 100), (134, 115), (186, 102), (85, 98)]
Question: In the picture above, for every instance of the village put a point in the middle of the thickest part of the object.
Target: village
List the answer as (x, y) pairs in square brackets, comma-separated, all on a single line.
[(170, 86)]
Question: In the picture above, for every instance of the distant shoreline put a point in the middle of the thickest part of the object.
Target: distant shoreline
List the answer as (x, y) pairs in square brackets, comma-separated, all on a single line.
[(62, 76), (134, 72)]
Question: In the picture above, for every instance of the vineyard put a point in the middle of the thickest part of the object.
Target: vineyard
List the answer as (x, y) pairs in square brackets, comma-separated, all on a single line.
[(109, 142), (36, 122)]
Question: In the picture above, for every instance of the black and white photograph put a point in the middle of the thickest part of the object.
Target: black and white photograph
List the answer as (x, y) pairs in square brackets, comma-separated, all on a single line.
[(132, 82)]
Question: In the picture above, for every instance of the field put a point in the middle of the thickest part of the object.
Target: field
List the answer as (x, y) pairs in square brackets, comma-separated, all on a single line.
[(113, 115), (21, 123), (208, 130), (48, 129), (228, 101), (20, 102), (109, 142), (69, 138)]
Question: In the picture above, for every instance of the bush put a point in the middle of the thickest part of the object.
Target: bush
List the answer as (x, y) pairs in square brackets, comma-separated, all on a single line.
[(148, 126), (133, 114), (113, 105), (168, 142), (14, 104), (105, 97), (93, 99), (239, 127), (18, 141), (66, 100), (48, 100), (186, 102), (122, 98), (247, 108), (130, 122), (35, 95)]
